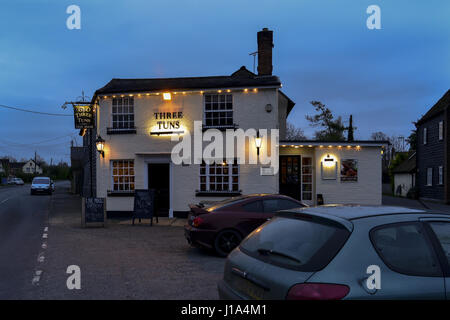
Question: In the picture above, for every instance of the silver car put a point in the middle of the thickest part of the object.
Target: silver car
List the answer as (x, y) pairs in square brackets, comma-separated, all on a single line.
[(343, 252)]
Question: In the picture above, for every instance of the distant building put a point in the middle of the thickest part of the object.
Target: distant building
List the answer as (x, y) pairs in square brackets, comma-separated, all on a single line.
[(29, 167), (433, 152), (4, 165), (405, 175)]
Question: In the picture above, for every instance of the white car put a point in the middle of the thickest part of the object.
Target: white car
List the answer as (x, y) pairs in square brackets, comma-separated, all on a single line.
[(18, 181), (41, 185)]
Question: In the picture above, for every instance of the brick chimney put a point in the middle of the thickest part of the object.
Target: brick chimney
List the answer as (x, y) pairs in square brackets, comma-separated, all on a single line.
[(265, 45)]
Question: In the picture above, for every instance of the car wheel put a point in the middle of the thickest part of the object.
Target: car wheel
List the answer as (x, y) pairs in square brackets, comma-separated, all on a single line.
[(226, 241)]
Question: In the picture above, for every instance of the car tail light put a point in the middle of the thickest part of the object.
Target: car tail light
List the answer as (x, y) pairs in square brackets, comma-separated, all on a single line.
[(197, 222), (317, 291)]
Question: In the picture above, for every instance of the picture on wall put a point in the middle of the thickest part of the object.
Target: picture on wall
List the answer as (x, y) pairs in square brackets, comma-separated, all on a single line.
[(349, 170)]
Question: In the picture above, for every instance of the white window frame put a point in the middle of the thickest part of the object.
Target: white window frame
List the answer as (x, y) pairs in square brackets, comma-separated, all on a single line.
[(425, 133), (230, 176), (441, 130), (126, 124), (441, 175), (218, 111), (310, 167), (429, 177), (131, 177)]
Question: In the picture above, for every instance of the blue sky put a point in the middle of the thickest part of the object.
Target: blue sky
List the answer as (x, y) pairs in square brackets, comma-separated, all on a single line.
[(323, 51)]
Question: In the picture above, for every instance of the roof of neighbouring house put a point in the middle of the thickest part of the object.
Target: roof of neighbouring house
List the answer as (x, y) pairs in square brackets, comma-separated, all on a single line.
[(440, 106), (407, 166), (15, 165)]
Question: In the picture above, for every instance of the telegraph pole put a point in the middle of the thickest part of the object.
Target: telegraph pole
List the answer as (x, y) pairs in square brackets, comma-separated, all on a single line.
[(34, 161)]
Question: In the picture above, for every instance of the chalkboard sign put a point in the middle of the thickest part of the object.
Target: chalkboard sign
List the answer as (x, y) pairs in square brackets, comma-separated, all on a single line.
[(94, 210), (144, 204)]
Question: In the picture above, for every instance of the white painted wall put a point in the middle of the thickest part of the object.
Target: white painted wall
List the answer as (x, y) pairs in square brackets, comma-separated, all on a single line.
[(367, 190), (248, 112), (405, 180)]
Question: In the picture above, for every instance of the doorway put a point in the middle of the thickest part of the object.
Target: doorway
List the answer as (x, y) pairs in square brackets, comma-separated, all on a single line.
[(159, 179), (290, 183)]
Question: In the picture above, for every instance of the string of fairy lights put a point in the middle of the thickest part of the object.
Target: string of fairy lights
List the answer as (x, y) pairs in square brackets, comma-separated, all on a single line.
[(167, 95)]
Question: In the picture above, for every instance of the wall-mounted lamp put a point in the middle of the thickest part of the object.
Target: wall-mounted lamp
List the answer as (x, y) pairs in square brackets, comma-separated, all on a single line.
[(100, 143), (167, 96), (328, 161), (258, 142)]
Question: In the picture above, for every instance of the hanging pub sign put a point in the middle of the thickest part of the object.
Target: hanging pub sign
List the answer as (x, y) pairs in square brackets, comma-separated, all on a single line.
[(84, 116)]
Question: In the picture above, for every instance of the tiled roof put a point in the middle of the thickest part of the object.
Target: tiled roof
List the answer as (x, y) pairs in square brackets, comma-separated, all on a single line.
[(239, 79)]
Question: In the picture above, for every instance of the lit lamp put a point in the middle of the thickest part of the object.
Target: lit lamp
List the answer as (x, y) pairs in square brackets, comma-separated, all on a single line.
[(328, 161), (100, 143), (167, 96), (258, 142)]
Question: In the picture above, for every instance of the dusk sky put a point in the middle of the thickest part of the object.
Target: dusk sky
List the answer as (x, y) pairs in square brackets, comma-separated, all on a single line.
[(323, 51)]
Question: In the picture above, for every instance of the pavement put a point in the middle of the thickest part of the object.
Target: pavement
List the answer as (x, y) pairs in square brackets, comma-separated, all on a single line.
[(122, 261), (415, 204)]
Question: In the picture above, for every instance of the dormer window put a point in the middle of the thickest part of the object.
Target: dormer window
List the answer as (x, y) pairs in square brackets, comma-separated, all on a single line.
[(218, 111)]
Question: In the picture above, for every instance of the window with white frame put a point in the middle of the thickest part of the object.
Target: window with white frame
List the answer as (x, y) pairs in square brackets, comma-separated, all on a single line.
[(441, 130), (429, 176), (424, 135), (218, 111), (123, 113), (441, 175), (122, 175), (219, 177)]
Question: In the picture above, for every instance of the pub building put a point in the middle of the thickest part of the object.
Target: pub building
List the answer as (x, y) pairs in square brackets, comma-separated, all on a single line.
[(136, 118)]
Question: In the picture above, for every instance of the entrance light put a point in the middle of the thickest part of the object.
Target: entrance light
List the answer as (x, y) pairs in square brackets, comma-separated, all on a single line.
[(100, 143), (167, 96)]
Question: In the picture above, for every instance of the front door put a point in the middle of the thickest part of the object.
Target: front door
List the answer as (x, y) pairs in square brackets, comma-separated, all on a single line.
[(290, 184), (159, 179)]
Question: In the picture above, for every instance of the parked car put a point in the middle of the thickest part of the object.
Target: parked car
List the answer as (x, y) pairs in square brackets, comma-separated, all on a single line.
[(16, 181), (41, 185), (223, 225), (337, 252)]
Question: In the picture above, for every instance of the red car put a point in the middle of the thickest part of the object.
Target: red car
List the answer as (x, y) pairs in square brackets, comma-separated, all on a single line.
[(223, 225)]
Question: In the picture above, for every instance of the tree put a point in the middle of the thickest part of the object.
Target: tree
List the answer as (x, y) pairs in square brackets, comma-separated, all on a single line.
[(379, 136), (412, 140), (350, 130), (333, 129), (294, 133)]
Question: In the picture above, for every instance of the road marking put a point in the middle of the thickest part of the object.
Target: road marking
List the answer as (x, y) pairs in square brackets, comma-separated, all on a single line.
[(44, 245), (45, 236), (37, 277), (46, 229), (41, 258), (4, 200)]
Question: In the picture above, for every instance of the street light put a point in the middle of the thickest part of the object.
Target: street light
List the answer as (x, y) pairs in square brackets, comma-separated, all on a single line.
[(100, 145)]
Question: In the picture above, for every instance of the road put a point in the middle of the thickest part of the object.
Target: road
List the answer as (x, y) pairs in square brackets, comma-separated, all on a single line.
[(22, 221)]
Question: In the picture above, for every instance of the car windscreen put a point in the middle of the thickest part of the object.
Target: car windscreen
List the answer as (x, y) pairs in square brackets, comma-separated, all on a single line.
[(304, 244), (41, 181)]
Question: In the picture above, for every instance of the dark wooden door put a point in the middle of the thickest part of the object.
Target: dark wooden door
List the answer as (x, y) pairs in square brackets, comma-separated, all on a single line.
[(159, 179), (290, 183)]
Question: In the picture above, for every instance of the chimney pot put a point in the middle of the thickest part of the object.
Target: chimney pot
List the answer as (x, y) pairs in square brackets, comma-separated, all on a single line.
[(265, 45)]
